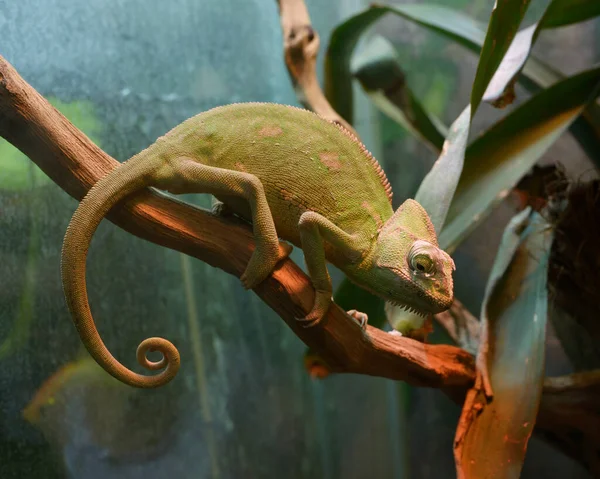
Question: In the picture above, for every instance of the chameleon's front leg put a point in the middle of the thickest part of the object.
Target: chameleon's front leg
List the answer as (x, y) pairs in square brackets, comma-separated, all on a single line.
[(194, 177), (314, 228)]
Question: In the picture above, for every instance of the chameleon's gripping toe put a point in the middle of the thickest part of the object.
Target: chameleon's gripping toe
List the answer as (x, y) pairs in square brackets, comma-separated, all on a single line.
[(323, 301), (360, 318)]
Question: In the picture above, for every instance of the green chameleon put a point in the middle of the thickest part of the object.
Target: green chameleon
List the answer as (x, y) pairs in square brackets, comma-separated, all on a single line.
[(295, 176)]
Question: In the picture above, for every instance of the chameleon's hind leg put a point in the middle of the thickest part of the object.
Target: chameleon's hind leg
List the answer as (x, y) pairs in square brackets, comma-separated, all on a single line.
[(194, 177), (314, 228)]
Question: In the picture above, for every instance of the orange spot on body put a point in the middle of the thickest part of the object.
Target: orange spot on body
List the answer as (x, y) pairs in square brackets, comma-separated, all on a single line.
[(330, 159), (376, 216), (270, 131), (239, 166), (287, 195)]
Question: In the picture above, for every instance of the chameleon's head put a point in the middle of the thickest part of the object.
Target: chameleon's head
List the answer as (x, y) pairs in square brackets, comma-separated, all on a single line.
[(408, 267)]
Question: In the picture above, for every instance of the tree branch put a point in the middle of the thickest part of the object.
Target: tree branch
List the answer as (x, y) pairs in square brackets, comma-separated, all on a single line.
[(67, 156), (300, 47)]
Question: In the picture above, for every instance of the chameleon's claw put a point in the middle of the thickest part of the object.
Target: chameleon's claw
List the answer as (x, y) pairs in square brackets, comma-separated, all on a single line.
[(360, 318), (323, 300), (308, 323)]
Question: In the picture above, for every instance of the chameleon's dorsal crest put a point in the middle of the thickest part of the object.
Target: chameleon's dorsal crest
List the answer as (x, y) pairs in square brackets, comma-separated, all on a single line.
[(412, 218)]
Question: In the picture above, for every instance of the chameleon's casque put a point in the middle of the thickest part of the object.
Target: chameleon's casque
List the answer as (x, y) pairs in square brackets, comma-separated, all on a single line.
[(295, 176)]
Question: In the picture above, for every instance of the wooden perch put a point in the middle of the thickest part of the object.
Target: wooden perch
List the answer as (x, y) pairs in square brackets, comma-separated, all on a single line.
[(74, 163)]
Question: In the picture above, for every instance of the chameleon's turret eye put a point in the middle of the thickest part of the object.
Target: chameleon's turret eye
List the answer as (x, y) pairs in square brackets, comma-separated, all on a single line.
[(422, 263), (420, 260)]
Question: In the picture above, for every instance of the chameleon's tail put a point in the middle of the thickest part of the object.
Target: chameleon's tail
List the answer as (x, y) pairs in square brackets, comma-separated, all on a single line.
[(131, 176)]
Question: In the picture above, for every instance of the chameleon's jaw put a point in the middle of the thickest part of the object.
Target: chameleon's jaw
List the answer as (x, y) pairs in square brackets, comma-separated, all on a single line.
[(421, 303), (409, 308)]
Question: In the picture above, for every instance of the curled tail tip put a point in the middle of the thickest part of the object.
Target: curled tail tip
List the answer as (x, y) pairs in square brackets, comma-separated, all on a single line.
[(169, 363)]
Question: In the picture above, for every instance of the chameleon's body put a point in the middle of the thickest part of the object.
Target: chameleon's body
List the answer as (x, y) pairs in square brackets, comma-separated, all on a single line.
[(296, 177)]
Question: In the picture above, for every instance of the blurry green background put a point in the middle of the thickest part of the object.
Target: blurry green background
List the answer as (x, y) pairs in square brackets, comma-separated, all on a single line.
[(243, 406)]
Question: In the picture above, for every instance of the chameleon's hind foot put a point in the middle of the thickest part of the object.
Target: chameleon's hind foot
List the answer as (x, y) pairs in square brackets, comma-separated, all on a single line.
[(262, 264), (323, 300), (219, 208), (360, 318)]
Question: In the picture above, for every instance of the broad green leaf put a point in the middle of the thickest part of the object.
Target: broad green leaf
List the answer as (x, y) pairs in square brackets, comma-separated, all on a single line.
[(343, 40), (492, 437), (338, 79), (377, 68), (504, 22), (496, 160), (467, 32), (500, 91), (566, 12), (437, 188)]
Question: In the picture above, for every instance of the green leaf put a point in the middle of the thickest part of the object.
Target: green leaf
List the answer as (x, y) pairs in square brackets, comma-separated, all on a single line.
[(500, 91), (467, 32), (377, 68), (491, 439), (566, 12), (343, 40), (437, 188), (496, 160), (338, 79), (504, 22), (559, 12)]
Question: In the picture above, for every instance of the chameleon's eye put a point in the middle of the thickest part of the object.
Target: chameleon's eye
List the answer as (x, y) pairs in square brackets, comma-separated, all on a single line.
[(422, 263)]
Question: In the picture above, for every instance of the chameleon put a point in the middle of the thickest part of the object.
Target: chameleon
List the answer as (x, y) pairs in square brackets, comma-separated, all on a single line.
[(298, 179)]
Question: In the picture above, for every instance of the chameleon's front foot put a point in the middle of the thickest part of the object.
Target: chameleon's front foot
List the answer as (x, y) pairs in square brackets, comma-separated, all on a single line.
[(319, 310), (360, 318), (263, 262)]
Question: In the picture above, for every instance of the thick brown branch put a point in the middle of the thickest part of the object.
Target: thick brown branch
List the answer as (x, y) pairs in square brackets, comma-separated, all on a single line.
[(30, 123), (300, 46)]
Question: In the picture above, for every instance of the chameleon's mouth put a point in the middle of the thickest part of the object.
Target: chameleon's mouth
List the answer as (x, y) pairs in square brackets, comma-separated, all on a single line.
[(409, 308)]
